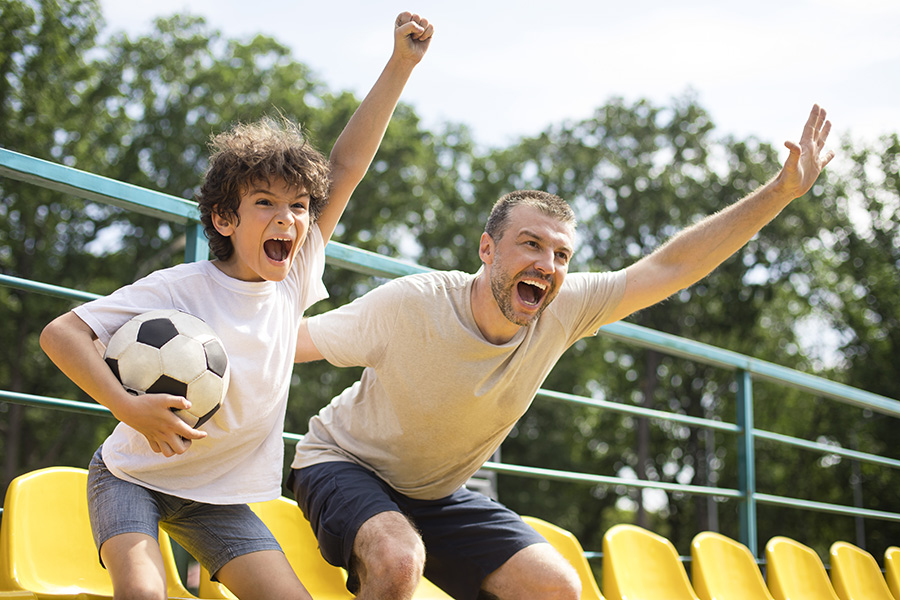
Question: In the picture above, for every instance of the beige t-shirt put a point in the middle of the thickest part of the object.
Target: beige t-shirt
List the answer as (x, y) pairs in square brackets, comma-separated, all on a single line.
[(436, 399)]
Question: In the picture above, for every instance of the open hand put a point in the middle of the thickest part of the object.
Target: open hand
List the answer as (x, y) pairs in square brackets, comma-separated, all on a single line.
[(806, 160)]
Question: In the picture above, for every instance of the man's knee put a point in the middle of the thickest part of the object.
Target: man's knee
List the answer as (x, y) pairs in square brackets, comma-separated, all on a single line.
[(389, 554)]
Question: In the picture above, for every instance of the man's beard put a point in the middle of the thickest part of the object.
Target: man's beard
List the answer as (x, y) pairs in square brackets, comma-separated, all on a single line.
[(502, 287)]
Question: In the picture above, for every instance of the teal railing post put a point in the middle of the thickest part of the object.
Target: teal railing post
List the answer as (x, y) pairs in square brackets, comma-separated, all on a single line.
[(746, 461), (196, 246)]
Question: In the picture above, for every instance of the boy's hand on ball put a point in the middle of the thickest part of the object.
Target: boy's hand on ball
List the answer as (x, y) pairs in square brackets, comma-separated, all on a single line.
[(151, 415)]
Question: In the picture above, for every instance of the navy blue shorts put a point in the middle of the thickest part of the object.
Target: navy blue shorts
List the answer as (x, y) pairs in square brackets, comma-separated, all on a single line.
[(467, 535)]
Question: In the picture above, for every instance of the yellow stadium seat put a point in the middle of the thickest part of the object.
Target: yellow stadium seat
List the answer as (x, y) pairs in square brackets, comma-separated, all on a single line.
[(724, 569), (795, 572), (892, 570), (639, 564), (855, 575), (287, 523), (46, 547), (568, 545)]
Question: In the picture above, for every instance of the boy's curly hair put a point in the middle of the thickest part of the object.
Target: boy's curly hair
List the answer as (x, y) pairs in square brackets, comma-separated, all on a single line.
[(254, 152)]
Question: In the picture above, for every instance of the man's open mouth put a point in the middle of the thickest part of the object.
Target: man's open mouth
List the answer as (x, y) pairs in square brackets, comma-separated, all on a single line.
[(531, 292), (278, 249)]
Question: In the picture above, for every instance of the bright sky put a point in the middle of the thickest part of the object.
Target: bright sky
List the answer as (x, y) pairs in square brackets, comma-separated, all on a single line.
[(510, 68)]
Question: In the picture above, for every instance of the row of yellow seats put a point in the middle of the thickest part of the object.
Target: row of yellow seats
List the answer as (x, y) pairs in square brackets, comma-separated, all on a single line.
[(640, 565), (47, 551)]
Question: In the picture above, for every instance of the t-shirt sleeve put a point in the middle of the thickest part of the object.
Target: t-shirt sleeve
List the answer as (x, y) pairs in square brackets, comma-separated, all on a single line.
[(587, 300), (105, 315), (356, 334), (311, 268)]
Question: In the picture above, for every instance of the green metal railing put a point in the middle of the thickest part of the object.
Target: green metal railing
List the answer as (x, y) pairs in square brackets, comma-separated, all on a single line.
[(746, 369)]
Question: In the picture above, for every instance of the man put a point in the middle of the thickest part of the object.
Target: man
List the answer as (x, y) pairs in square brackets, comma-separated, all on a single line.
[(452, 361)]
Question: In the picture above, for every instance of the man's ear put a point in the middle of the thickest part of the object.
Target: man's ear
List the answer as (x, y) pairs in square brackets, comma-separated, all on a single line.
[(222, 224), (486, 249)]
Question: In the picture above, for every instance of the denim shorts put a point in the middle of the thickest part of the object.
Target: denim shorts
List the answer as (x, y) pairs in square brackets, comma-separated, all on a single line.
[(213, 533), (467, 535)]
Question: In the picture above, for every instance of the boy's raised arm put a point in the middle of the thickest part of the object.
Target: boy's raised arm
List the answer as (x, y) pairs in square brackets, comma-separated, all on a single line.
[(356, 146)]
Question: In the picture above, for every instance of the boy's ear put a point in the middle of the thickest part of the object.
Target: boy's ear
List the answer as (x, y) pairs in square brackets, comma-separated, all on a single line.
[(222, 224)]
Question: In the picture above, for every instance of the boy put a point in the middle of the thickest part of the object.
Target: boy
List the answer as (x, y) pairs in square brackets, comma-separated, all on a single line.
[(263, 205)]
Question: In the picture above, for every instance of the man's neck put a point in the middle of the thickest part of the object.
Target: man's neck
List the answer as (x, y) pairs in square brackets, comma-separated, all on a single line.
[(495, 327)]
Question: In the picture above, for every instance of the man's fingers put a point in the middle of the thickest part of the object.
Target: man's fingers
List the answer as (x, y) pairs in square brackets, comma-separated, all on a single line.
[(823, 135), (813, 123)]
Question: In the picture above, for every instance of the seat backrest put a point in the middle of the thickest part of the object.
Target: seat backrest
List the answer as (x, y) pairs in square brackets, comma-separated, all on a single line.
[(892, 570), (855, 575), (641, 564), (287, 523), (795, 572), (567, 545), (46, 542), (724, 569)]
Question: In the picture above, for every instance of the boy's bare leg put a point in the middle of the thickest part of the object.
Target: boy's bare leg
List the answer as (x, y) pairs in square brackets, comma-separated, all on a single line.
[(262, 575), (390, 558), (536, 572), (135, 566)]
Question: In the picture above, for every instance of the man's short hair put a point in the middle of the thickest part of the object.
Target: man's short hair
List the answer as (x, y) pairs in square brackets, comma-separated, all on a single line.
[(249, 153), (549, 204)]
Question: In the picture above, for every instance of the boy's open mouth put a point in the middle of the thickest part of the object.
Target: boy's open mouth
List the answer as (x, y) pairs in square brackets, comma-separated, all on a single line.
[(278, 249), (531, 292)]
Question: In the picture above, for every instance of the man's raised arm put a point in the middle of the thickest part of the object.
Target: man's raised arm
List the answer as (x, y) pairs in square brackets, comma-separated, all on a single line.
[(694, 252)]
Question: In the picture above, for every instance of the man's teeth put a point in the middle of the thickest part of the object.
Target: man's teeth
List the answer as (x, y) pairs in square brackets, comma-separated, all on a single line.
[(537, 284)]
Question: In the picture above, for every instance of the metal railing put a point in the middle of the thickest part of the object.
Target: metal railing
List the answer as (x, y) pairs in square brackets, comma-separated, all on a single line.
[(746, 369)]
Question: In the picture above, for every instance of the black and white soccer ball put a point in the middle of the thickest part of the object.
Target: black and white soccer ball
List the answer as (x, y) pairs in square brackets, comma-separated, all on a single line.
[(171, 352)]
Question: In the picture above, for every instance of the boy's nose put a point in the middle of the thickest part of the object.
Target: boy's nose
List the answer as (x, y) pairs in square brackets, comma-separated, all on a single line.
[(284, 217)]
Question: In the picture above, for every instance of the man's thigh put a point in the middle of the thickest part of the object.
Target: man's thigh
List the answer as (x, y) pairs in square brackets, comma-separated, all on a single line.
[(467, 537), (337, 498)]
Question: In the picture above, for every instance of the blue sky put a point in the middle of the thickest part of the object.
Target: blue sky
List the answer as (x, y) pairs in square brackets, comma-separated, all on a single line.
[(510, 68)]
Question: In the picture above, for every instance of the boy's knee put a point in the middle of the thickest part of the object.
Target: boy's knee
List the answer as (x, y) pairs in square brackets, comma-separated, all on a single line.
[(140, 591)]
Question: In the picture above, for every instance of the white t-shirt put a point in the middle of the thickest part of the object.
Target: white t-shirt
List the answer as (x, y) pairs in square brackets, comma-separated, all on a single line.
[(436, 398), (241, 458)]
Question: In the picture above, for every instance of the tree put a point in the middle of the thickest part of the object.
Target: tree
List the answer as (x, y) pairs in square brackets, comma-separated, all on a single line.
[(42, 235)]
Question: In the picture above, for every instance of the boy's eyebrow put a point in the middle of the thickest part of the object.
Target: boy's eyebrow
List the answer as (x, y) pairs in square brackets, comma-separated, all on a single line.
[(266, 190)]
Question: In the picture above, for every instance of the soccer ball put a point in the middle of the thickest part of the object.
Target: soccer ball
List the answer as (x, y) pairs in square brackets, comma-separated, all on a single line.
[(171, 352)]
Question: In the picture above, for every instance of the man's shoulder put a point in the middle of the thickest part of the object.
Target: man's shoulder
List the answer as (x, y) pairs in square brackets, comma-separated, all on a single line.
[(430, 281)]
